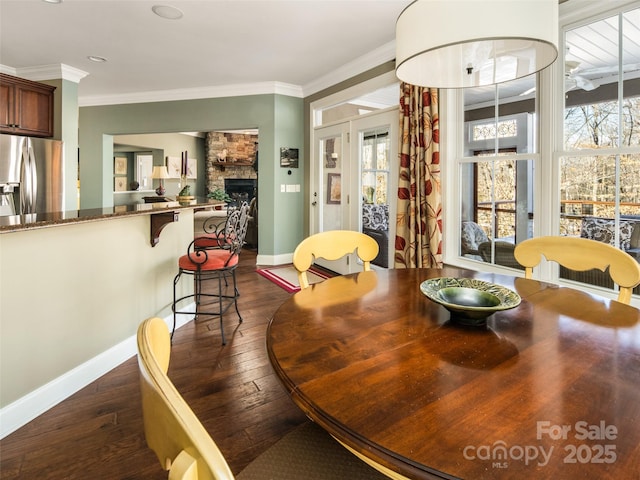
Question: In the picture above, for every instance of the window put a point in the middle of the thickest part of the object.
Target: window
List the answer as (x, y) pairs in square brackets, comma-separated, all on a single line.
[(558, 154), (600, 161), (497, 171)]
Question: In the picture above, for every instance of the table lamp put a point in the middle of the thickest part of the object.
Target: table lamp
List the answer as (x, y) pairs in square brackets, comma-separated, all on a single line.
[(160, 172)]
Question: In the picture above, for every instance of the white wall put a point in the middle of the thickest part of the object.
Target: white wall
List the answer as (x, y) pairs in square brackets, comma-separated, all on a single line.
[(71, 299)]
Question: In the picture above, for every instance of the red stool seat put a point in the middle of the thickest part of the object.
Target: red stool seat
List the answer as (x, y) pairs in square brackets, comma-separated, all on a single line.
[(206, 260)]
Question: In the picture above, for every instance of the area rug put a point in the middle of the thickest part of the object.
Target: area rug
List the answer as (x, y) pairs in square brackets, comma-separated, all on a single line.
[(308, 453), (286, 276)]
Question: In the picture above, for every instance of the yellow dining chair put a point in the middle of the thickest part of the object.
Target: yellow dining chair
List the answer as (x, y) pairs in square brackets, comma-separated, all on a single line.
[(187, 451), (581, 254), (172, 430), (332, 245)]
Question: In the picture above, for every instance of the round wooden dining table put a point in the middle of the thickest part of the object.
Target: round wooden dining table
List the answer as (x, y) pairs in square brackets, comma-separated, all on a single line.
[(547, 390)]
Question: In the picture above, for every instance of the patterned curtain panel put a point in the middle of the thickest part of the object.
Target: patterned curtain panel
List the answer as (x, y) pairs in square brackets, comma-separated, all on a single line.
[(419, 223)]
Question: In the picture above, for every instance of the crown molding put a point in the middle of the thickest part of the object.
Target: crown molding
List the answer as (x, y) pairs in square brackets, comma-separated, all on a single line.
[(238, 90), (361, 64), (46, 72)]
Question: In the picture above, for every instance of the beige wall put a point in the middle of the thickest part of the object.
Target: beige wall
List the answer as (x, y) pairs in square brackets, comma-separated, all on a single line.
[(71, 292)]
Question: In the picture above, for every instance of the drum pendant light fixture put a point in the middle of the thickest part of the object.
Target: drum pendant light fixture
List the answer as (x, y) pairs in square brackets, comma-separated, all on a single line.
[(472, 43)]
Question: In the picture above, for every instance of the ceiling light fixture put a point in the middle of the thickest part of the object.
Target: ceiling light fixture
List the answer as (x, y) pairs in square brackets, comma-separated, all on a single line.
[(52, 1), (167, 11), (97, 59), (472, 43)]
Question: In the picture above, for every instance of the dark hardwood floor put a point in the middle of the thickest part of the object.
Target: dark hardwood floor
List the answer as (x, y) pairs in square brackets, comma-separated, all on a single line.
[(97, 433)]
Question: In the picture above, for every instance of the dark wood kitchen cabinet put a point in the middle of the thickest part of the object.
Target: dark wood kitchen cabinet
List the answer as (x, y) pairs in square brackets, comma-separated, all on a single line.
[(26, 107)]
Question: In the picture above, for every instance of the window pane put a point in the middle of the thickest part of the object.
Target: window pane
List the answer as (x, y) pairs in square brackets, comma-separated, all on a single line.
[(591, 85), (630, 185), (382, 160), (589, 194), (592, 75), (497, 203), (367, 154), (587, 188), (375, 166), (592, 126)]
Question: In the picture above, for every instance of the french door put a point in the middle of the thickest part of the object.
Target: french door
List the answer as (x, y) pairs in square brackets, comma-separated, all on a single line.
[(354, 171)]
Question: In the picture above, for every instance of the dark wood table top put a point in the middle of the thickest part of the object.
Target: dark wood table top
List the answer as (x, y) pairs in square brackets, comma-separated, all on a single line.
[(549, 389)]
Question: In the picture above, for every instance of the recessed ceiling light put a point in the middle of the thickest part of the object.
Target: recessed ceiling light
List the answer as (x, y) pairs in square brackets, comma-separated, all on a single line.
[(52, 1), (167, 11), (97, 59)]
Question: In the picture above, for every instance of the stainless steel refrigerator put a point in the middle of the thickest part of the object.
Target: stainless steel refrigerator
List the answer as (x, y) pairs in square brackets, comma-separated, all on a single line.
[(31, 175)]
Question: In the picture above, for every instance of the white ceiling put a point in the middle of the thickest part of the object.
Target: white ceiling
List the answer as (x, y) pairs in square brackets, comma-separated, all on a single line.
[(303, 45), (233, 47)]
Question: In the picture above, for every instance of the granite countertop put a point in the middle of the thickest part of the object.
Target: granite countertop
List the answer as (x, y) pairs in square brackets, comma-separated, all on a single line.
[(14, 223)]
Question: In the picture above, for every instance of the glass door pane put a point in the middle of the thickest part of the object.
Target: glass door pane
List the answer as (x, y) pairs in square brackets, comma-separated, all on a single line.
[(375, 153), (377, 158), (331, 186), (331, 149)]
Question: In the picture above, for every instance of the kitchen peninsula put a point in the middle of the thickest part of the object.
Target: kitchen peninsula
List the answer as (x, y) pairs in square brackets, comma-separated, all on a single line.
[(73, 288), (161, 214)]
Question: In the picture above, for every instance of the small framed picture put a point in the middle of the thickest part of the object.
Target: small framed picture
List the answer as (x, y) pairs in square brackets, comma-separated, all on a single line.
[(289, 157), (334, 188), (120, 184), (174, 166), (192, 168), (120, 165)]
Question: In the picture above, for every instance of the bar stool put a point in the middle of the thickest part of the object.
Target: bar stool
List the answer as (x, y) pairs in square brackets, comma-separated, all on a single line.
[(213, 256)]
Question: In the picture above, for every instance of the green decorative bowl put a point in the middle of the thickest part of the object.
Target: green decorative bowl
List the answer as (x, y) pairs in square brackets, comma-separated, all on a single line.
[(470, 301)]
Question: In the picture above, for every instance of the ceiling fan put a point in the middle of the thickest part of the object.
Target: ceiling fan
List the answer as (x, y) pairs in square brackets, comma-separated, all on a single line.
[(575, 78)]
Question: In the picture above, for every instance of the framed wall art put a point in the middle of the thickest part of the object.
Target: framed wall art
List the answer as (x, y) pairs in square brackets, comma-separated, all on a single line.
[(288, 157), (192, 168), (120, 184), (120, 165), (174, 166)]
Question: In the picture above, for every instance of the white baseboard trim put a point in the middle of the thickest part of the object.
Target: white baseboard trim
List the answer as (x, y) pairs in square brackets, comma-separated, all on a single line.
[(271, 260), (22, 411)]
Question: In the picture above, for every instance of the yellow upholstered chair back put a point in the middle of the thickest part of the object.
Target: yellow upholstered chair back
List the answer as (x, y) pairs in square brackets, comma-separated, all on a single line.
[(582, 254), (171, 428), (332, 245)]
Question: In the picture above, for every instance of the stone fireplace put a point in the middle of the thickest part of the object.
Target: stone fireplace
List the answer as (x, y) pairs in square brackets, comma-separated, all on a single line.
[(232, 156)]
